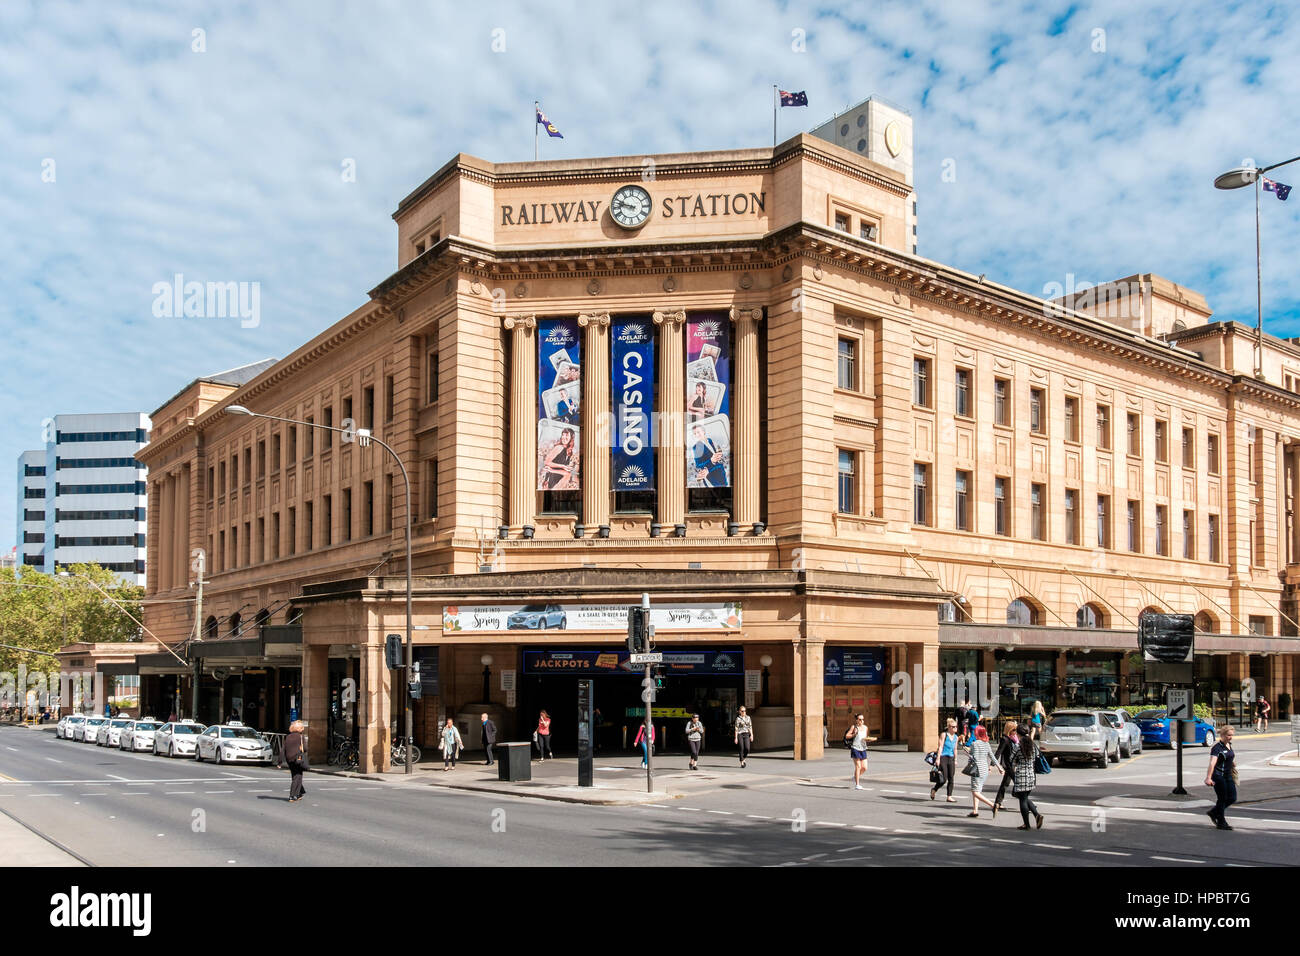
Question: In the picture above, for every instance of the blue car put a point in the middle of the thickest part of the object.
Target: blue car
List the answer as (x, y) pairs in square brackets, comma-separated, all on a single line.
[(537, 616), (1155, 728)]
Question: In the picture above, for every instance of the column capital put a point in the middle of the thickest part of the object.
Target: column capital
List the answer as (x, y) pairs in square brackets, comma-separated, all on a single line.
[(670, 318), (746, 313), (528, 321), (598, 319)]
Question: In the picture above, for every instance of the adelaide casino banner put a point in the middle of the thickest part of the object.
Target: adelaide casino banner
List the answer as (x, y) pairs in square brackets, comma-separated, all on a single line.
[(476, 618), (708, 401), (559, 405), (632, 464)]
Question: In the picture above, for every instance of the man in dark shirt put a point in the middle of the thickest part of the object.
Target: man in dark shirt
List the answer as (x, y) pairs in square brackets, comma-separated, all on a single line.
[(489, 736)]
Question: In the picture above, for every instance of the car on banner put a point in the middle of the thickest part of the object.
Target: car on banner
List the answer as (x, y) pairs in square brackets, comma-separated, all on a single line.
[(176, 738), (138, 735), (1156, 730), (537, 617), (63, 729), (232, 743)]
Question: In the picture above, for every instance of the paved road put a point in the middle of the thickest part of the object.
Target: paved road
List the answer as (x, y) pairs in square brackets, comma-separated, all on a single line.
[(113, 808)]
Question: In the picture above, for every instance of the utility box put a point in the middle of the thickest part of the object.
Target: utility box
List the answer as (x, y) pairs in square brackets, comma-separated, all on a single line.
[(514, 762)]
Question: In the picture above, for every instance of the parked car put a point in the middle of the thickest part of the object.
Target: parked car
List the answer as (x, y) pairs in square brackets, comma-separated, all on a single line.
[(110, 733), (1080, 735), (232, 743), (63, 729), (1155, 728), (177, 738), (138, 735), (538, 616), (88, 732), (1130, 734)]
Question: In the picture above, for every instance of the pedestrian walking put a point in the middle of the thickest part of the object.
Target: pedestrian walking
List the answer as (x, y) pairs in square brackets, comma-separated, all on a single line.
[(947, 751), (981, 761), (542, 736), (1037, 714), (856, 737), (744, 735), (450, 744), (646, 742), (489, 731), (295, 758), (1024, 763), (1221, 774), (1006, 749), (694, 739), (1262, 707)]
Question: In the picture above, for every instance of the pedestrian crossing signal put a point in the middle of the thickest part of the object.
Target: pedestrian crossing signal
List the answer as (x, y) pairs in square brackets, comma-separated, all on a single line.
[(393, 651), (637, 642)]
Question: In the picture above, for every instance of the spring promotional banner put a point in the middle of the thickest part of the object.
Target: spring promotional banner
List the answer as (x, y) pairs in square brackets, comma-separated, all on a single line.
[(708, 401), (632, 464), (559, 405)]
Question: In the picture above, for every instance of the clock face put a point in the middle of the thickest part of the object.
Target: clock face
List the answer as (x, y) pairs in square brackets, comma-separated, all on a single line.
[(630, 207)]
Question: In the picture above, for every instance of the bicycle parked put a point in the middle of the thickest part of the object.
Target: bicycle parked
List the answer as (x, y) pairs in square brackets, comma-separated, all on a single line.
[(343, 753)]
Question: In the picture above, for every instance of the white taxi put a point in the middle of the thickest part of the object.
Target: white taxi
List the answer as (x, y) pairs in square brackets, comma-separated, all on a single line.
[(176, 738), (89, 731), (138, 735), (110, 734), (233, 743), (63, 729)]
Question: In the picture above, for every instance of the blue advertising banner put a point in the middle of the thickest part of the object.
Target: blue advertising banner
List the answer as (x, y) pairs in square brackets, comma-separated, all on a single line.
[(708, 400), (854, 665), (559, 405), (632, 464), (594, 661)]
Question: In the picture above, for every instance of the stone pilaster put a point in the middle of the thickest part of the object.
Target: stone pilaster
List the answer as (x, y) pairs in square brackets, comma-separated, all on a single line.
[(595, 419), (671, 434), (373, 708), (167, 534), (523, 419), (809, 670), (314, 706), (181, 538), (745, 409)]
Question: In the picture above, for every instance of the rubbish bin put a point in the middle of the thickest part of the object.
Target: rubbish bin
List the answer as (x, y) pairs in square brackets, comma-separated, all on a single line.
[(514, 761)]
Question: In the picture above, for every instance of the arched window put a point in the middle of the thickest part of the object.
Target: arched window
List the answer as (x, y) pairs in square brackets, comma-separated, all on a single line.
[(1020, 613), (1205, 623), (210, 629), (1149, 610), (295, 615), (235, 620), (1089, 616), (263, 617), (954, 612)]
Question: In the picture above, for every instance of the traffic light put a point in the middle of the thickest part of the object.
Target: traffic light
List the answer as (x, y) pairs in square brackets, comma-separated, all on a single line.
[(393, 651), (658, 674), (637, 637)]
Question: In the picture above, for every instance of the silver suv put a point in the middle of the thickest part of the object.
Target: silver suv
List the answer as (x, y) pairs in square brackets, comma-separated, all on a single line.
[(1080, 735)]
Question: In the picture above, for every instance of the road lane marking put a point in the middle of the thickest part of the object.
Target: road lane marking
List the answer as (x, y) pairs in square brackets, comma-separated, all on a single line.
[(757, 816), (1108, 852), (218, 791), (828, 823), (116, 777), (723, 813), (173, 793), (53, 760), (867, 826), (1175, 859), (1051, 846)]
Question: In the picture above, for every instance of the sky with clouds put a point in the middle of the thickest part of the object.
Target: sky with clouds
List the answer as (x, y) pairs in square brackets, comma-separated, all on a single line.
[(129, 155)]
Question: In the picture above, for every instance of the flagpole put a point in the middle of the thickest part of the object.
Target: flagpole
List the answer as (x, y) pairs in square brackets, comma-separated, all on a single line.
[(1259, 294), (537, 105), (773, 115)]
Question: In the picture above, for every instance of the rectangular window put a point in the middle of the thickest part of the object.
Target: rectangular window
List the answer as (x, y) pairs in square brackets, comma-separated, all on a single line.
[(921, 382), (234, 547), (1038, 527), (309, 438), (327, 520), (291, 432), (1260, 625), (347, 514), (1162, 442), (1071, 418), (1162, 529), (1103, 521), (842, 221), (1001, 507), (275, 453), (1001, 401), (847, 483), (1189, 535), (431, 377), (1212, 531), (388, 503), (1071, 516), (1189, 448), (1103, 427), (309, 529), (291, 539), (248, 544), (389, 397), (431, 488), (1212, 454), (368, 407), (221, 551), (275, 535), (234, 473), (1134, 527), (848, 364), (261, 459), (327, 437), (920, 499), (212, 484), (248, 465), (1134, 426), (963, 393), (867, 230), (961, 517), (368, 509), (347, 414), (1037, 409)]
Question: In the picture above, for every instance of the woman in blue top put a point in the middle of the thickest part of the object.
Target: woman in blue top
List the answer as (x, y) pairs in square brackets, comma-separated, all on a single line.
[(1036, 714), (856, 737), (947, 751)]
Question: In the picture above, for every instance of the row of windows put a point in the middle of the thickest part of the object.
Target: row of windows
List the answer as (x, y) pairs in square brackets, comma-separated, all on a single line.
[(34, 560), (33, 537), (29, 515), (136, 488), (33, 471), (127, 514), (137, 435), (60, 463), (126, 540), (125, 567), (33, 492)]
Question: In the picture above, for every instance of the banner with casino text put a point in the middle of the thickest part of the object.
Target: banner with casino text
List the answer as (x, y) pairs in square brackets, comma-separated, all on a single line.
[(632, 457)]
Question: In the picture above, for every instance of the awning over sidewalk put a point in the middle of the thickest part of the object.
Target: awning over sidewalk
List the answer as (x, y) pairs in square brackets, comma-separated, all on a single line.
[(1007, 637)]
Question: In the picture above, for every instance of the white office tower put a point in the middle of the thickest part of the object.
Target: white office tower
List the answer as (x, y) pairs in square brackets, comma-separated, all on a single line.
[(31, 511), (95, 497)]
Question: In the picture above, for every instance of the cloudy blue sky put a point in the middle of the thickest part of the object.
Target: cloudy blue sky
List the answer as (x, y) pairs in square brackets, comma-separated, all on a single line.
[(224, 164)]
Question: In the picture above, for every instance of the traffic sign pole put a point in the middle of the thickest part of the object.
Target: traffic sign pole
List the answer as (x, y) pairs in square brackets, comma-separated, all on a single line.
[(1178, 707)]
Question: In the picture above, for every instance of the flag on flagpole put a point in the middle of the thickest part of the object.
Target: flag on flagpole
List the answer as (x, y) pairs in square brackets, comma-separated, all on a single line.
[(550, 127), (1281, 189), (794, 99)]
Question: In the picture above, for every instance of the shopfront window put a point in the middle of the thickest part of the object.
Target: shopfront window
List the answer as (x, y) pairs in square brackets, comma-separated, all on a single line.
[(1024, 677), (1091, 680), (958, 677)]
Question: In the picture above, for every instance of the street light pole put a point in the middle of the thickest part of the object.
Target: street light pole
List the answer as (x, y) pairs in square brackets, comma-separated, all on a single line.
[(364, 437)]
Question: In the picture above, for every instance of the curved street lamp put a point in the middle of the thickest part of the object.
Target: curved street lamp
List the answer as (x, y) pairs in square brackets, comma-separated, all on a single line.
[(364, 438)]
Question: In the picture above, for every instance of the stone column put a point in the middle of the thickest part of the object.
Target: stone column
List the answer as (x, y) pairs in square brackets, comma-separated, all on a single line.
[(745, 409), (595, 420), (809, 670), (314, 706), (180, 576), (166, 533), (919, 717), (523, 419), (671, 433), (372, 707), (1293, 459)]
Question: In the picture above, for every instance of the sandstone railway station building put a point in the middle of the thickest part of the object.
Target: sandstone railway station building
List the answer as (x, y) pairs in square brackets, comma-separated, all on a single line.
[(725, 379)]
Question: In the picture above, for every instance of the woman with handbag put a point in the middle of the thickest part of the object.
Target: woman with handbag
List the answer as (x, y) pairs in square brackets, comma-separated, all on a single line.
[(981, 759), (542, 736), (1222, 776), (694, 737), (1006, 747), (645, 742), (450, 744), (295, 758), (1024, 764), (947, 751), (856, 739)]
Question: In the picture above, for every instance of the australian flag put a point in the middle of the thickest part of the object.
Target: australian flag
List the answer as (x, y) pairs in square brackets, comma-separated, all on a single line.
[(550, 127), (794, 99), (1281, 189)]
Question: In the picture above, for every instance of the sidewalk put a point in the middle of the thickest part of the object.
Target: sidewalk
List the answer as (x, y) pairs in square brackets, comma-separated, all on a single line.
[(22, 847)]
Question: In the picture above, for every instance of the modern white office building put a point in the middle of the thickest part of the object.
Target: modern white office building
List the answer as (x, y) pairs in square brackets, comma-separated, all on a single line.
[(82, 499)]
